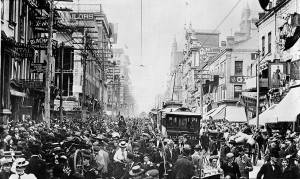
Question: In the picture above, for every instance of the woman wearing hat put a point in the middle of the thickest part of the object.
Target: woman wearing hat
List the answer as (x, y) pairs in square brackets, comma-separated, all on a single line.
[(19, 168)]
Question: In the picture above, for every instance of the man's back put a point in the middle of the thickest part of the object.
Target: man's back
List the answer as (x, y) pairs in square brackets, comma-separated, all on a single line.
[(183, 168), (37, 167)]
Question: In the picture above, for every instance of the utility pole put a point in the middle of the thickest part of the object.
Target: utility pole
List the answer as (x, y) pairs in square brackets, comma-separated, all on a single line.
[(84, 55), (201, 92), (61, 82), (257, 89), (47, 76)]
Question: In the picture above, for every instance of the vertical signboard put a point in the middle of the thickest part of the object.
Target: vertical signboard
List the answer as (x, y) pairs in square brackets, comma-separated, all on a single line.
[(77, 73)]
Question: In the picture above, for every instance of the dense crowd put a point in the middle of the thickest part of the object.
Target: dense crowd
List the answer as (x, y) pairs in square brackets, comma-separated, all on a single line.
[(133, 148)]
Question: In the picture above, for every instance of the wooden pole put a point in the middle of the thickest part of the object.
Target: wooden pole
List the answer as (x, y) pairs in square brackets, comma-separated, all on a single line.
[(48, 75)]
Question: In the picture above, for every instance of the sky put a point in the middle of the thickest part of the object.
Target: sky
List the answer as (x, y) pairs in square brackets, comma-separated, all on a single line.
[(163, 20)]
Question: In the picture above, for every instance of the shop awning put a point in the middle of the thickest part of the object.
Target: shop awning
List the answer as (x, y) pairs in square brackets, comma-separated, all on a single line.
[(213, 112), (265, 117), (230, 113), (289, 107)]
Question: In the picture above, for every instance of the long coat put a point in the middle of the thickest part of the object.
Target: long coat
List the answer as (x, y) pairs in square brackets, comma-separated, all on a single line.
[(233, 169), (242, 165), (183, 169), (268, 171)]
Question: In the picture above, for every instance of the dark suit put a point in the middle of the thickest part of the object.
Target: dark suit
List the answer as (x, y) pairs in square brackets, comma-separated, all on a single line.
[(268, 171), (286, 173), (233, 169), (37, 167), (5, 175), (158, 159), (183, 169), (295, 172), (172, 157)]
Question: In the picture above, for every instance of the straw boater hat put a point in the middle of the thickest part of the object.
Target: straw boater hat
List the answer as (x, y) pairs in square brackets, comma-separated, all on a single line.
[(152, 173), (21, 162), (122, 144), (135, 171)]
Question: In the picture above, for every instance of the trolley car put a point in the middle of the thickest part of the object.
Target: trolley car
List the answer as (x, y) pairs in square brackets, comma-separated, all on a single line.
[(174, 122)]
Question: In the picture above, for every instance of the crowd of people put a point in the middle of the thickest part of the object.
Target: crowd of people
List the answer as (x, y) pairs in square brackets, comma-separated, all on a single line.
[(132, 148)]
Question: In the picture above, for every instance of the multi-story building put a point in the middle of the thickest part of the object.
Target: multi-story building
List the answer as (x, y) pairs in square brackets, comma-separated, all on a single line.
[(87, 36), (23, 56), (279, 31), (119, 84), (24, 32), (228, 71)]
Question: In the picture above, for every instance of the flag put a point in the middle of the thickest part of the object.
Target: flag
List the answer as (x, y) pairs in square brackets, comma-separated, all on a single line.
[(186, 3), (126, 47)]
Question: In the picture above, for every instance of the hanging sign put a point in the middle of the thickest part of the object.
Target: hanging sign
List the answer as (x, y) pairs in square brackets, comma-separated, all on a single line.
[(295, 70), (41, 43), (37, 67), (32, 84)]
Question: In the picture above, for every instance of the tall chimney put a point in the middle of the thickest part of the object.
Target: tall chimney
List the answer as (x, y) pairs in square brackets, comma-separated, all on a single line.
[(223, 45), (230, 40)]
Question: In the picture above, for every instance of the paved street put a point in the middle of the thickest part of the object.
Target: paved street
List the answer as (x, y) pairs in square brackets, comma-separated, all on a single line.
[(256, 169)]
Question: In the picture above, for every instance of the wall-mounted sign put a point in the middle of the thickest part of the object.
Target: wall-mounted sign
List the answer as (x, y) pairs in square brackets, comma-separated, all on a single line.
[(295, 70), (41, 43), (23, 51), (37, 67), (32, 84), (237, 79), (277, 75), (82, 16), (42, 22)]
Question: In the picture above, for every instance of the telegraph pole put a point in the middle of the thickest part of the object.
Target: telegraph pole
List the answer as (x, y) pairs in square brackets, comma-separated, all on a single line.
[(83, 107), (61, 82), (47, 76), (257, 89)]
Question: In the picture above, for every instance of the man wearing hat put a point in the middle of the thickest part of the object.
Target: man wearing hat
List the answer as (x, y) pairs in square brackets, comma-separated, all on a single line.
[(291, 150), (230, 166), (184, 167), (6, 166), (197, 159), (171, 152), (36, 165), (244, 163), (296, 169), (136, 172), (233, 149), (19, 168), (152, 174), (270, 170), (121, 153)]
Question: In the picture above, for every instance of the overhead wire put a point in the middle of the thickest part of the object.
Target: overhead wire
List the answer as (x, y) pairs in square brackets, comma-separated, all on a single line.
[(222, 22)]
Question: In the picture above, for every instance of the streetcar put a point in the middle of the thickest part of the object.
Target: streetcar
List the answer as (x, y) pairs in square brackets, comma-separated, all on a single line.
[(174, 121)]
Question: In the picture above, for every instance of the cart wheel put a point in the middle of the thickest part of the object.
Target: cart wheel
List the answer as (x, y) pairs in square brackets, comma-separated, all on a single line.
[(255, 154), (78, 162)]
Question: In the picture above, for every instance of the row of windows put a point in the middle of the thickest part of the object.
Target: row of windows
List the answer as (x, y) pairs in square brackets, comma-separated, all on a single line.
[(263, 41)]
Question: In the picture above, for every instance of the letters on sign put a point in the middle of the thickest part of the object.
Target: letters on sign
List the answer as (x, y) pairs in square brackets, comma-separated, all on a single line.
[(82, 16), (237, 79), (23, 51)]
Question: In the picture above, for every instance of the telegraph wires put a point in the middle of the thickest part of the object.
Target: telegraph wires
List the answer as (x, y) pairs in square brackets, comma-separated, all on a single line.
[(222, 21)]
